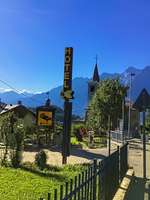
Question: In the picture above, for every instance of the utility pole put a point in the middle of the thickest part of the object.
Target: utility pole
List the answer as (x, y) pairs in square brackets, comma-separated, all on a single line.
[(109, 136), (144, 147), (129, 112), (123, 112)]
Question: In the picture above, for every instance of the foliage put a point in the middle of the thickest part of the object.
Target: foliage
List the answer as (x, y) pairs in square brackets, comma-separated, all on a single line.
[(32, 167), (30, 131), (41, 159), (79, 131), (6, 136), (74, 141), (105, 104), (12, 135), (83, 144), (98, 142), (19, 132), (58, 129)]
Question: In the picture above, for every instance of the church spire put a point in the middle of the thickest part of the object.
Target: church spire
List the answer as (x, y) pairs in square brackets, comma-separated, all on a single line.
[(96, 73)]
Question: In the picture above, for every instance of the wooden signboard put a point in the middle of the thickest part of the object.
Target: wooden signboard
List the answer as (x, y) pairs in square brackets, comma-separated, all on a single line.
[(45, 116), (67, 92)]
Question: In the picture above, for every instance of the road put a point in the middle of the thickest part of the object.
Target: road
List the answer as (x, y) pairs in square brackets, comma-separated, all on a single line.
[(140, 189)]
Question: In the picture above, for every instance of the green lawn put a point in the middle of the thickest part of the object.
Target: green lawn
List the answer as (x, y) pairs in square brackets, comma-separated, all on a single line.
[(18, 184), (98, 142)]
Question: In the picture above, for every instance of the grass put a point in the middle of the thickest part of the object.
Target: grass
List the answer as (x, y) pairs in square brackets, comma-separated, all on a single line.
[(20, 184), (74, 141), (83, 144), (99, 142)]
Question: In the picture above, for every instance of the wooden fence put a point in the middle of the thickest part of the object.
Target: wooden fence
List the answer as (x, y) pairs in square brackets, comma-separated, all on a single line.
[(99, 181)]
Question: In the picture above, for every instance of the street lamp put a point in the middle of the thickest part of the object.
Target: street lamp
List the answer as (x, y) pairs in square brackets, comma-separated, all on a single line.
[(123, 119), (130, 95)]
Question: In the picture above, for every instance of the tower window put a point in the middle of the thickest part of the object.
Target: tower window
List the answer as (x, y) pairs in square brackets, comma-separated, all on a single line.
[(92, 89)]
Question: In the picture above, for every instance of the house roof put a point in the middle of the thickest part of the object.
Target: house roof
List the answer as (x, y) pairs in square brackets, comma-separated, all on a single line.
[(10, 107), (143, 101)]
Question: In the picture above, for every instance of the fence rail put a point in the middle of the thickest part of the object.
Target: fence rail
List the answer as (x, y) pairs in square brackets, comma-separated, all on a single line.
[(99, 181)]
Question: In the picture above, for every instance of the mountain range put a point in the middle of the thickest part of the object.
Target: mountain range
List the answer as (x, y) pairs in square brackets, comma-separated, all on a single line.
[(140, 80)]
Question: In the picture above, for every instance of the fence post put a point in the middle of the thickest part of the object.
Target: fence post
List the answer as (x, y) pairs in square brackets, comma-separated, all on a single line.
[(61, 192), (94, 179), (49, 196), (127, 154), (55, 194), (118, 149)]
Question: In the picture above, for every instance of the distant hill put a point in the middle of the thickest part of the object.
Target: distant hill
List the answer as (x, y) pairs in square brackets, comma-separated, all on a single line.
[(13, 97), (80, 86)]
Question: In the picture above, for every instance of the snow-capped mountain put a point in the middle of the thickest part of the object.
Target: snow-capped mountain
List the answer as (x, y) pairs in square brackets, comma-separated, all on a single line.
[(140, 80)]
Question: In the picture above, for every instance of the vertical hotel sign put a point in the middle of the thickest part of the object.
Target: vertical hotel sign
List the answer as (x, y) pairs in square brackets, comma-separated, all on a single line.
[(67, 95), (67, 90)]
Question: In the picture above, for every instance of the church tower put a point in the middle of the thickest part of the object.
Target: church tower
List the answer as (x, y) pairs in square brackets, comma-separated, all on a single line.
[(92, 84)]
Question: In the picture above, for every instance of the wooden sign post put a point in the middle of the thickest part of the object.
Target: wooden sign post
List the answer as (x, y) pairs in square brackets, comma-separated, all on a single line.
[(67, 95)]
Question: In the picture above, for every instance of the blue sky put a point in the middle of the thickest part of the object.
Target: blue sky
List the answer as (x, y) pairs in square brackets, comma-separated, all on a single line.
[(34, 33)]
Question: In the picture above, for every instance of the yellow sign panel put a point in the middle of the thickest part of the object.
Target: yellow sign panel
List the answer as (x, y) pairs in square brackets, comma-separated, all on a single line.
[(45, 118)]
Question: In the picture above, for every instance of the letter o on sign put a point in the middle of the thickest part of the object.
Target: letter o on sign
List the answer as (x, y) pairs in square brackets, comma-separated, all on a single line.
[(67, 59)]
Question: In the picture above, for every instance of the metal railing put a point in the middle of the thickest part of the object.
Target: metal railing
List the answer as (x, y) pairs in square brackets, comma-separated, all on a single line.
[(99, 181)]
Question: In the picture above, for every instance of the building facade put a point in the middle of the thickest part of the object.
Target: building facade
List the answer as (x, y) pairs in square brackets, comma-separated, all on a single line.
[(21, 112)]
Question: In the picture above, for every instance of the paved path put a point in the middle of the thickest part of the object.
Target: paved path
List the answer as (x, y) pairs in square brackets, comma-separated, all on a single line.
[(78, 156), (140, 189)]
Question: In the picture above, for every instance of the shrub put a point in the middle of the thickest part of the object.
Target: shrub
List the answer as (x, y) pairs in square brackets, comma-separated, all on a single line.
[(74, 141), (41, 159), (16, 158), (12, 130), (5, 163), (16, 154)]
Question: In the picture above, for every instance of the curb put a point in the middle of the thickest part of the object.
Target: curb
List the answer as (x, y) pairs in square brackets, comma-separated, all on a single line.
[(125, 186)]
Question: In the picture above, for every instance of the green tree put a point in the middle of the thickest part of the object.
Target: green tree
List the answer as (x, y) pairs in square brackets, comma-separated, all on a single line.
[(12, 136), (17, 148), (105, 104), (30, 134), (6, 136)]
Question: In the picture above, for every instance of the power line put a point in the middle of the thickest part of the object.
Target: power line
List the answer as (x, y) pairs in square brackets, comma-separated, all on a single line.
[(18, 91)]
